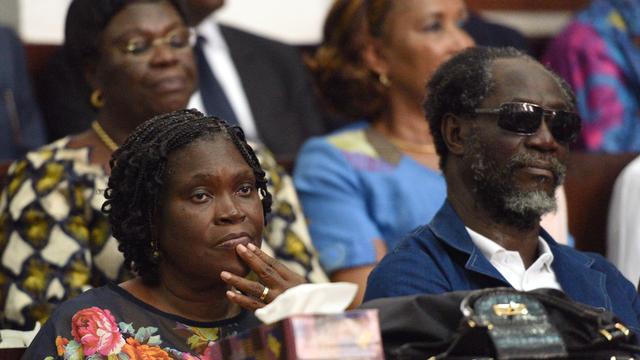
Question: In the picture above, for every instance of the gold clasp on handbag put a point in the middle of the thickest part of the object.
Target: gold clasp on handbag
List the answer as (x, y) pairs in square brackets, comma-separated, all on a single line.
[(622, 328), (510, 309), (607, 334)]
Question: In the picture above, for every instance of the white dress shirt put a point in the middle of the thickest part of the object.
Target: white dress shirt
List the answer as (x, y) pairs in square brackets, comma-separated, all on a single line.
[(509, 264), (219, 58)]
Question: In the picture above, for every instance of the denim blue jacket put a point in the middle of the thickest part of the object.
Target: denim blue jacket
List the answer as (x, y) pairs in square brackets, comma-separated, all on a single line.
[(440, 257)]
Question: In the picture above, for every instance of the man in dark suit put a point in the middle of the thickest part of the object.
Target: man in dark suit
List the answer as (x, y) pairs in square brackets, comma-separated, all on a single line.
[(20, 123), (265, 86)]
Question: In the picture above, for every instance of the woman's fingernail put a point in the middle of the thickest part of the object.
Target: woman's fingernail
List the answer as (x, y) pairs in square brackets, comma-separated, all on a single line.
[(225, 275), (231, 294), (251, 247), (241, 248)]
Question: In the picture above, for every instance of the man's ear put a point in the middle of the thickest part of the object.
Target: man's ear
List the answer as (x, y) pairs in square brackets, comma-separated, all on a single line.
[(454, 133), (373, 56)]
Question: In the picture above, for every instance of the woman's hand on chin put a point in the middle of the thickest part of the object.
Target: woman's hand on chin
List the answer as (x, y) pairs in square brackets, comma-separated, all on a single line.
[(274, 279)]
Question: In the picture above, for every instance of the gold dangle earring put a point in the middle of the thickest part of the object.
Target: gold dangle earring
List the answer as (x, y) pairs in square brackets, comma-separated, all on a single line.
[(155, 252), (384, 80), (96, 99)]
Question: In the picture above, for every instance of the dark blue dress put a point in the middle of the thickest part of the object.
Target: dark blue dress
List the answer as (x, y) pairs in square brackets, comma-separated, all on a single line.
[(108, 322)]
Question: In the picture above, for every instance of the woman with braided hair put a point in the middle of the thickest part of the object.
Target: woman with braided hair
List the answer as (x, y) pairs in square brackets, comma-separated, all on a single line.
[(187, 201), (54, 240)]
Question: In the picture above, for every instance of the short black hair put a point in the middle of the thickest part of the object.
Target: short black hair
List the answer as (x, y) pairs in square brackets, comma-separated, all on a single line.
[(461, 84), (87, 19), (138, 170)]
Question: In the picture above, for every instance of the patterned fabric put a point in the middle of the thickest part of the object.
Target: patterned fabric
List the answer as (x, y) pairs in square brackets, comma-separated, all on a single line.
[(286, 235), (597, 54), (355, 187), (110, 323), (56, 243)]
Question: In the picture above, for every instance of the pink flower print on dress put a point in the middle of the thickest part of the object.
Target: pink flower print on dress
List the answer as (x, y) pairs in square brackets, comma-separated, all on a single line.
[(96, 330)]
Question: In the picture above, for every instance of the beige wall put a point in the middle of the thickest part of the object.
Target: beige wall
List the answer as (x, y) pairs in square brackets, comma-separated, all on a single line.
[(293, 21), (9, 13)]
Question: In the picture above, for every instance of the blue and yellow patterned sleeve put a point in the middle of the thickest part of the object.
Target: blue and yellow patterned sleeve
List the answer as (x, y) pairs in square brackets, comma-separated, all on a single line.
[(334, 201), (286, 235)]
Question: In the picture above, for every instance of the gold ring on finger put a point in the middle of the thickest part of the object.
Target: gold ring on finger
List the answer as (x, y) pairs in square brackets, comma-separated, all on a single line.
[(265, 292)]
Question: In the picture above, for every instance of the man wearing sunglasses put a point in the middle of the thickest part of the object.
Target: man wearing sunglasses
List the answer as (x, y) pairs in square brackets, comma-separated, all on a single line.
[(502, 125)]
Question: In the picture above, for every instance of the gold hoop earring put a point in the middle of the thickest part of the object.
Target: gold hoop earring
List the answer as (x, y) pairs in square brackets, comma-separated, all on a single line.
[(96, 99), (384, 80)]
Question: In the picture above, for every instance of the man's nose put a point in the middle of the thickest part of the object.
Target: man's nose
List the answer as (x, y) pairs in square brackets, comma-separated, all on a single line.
[(543, 138)]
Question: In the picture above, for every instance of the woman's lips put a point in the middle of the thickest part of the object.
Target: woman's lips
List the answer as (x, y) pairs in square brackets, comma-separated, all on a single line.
[(232, 240), (172, 84)]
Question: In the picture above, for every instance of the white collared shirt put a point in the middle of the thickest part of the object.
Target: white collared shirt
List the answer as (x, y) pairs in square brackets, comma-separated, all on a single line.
[(219, 58), (509, 264)]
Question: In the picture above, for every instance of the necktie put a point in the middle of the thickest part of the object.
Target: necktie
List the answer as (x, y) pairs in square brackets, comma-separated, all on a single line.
[(214, 99)]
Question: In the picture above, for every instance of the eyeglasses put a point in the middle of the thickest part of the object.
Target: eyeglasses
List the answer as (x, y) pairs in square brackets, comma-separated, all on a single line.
[(141, 46), (525, 119)]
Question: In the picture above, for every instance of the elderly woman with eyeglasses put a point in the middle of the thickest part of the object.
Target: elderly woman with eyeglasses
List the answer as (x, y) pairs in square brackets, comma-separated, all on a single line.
[(54, 240)]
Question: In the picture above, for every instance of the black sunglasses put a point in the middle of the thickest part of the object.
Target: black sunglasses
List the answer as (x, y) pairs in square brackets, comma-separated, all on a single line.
[(525, 119)]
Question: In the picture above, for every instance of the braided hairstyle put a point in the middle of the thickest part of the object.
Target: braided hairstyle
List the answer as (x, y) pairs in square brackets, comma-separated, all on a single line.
[(138, 170)]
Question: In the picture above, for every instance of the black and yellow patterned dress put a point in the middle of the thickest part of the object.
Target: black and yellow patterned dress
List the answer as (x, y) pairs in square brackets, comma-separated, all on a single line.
[(55, 242)]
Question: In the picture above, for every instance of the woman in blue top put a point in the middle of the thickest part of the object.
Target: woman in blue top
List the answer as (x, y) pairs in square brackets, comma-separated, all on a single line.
[(365, 186)]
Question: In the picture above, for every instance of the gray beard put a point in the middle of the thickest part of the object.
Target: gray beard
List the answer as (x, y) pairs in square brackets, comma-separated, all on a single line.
[(496, 191)]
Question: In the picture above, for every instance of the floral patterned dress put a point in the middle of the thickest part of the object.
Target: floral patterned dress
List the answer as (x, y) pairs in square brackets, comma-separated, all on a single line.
[(110, 323), (55, 242)]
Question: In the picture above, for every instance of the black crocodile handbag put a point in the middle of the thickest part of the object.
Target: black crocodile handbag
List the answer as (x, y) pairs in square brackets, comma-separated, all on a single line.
[(500, 323)]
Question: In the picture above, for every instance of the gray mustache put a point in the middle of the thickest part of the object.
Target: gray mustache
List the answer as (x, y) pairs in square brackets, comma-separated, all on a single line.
[(521, 160)]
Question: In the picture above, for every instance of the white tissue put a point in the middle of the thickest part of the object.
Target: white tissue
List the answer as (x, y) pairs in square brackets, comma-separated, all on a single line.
[(325, 298)]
